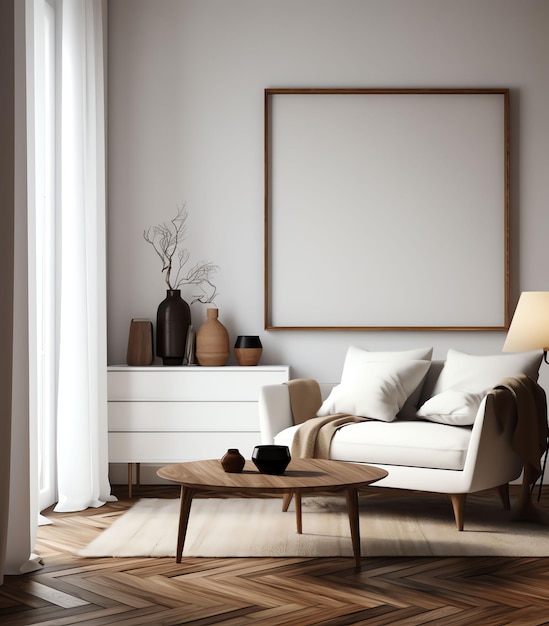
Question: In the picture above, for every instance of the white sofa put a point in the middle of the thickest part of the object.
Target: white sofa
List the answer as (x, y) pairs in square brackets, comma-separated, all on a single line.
[(421, 453)]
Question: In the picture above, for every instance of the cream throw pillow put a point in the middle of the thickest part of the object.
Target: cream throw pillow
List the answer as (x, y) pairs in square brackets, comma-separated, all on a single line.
[(454, 406), (479, 374), (465, 379), (374, 389), (357, 356)]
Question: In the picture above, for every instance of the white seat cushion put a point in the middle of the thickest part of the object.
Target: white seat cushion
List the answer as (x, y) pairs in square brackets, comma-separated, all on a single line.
[(409, 443)]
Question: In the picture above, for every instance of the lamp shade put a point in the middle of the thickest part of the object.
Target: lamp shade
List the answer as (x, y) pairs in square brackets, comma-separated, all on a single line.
[(529, 328)]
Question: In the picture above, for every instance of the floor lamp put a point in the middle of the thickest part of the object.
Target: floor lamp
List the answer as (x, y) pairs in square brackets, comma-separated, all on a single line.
[(529, 330)]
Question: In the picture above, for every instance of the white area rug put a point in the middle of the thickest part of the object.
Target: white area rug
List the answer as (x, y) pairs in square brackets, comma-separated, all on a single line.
[(406, 524)]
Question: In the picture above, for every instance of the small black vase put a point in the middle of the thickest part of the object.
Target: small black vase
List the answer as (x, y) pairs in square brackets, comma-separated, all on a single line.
[(271, 459), (173, 319)]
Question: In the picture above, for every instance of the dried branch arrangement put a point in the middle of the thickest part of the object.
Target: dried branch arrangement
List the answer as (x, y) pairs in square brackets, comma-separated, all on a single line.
[(167, 240)]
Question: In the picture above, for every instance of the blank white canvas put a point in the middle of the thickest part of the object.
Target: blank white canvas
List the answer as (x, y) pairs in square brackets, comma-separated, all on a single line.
[(386, 210)]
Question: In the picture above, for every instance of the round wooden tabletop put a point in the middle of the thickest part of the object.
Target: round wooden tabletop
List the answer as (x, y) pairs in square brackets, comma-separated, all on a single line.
[(301, 474)]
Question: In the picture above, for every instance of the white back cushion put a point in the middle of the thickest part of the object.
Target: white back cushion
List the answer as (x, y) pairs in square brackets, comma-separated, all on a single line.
[(376, 384), (479, 374)]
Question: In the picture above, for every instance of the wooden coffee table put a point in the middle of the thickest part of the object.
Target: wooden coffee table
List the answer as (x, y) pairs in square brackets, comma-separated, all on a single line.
[(302, 476)]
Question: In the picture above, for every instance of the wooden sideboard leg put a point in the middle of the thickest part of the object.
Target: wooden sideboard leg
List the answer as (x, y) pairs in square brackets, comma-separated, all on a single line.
[(298, 512), (130, 479), (138, 474), (458, 504)]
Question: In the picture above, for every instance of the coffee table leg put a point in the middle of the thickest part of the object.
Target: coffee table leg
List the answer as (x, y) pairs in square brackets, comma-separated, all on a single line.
[(184, 511), (286, 499), (352, 509)]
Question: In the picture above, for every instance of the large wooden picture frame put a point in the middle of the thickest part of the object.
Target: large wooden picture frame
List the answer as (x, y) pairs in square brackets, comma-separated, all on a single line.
[(387, 209)]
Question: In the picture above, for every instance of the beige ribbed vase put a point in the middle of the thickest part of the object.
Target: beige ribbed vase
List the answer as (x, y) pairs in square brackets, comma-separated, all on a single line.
[(212, 341)]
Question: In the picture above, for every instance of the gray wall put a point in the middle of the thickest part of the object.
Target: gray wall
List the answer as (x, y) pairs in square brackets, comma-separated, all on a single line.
[(186, 81)]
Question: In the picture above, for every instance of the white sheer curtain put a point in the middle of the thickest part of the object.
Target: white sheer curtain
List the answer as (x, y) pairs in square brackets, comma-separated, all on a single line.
[(82, 454), (17, 483), (81, 447)]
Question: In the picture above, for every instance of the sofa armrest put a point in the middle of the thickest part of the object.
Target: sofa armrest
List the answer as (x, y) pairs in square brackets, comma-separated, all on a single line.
[(275, 413), (491, 460)]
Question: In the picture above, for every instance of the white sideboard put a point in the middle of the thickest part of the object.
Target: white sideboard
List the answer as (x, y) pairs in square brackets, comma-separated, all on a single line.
[(163, 415)]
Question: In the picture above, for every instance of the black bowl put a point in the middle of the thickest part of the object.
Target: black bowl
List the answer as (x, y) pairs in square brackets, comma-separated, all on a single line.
[(271, 459)]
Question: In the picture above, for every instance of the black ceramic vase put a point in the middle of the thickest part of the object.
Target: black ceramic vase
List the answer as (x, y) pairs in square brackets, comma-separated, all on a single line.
[(271, 459), (173, 319)]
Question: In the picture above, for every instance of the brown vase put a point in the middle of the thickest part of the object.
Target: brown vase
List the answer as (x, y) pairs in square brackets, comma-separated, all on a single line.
[(212, 341), (232, 461), (248, 349), (140, 343)]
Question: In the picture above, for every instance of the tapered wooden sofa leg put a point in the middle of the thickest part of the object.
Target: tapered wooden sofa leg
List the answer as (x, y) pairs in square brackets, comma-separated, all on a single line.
[(458, 504), (503, 492)]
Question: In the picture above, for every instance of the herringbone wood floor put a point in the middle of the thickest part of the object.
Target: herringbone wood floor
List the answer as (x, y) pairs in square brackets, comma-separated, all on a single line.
[(290, 591)]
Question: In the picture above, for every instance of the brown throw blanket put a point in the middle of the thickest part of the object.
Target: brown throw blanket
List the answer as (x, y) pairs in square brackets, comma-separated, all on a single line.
[(305, 399), (530, 410), (312, 439), (523, 402)]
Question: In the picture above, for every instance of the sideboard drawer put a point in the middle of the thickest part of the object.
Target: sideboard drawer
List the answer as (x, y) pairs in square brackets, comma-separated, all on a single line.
[(183, 416), (190, 384)]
